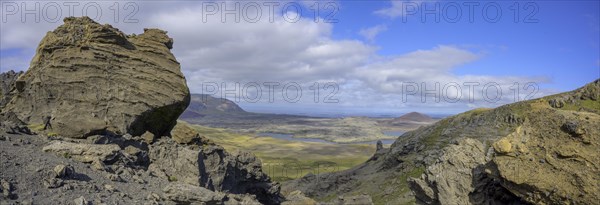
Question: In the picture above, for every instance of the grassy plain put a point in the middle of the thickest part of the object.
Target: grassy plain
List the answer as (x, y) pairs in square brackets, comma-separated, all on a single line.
[(284, 159)]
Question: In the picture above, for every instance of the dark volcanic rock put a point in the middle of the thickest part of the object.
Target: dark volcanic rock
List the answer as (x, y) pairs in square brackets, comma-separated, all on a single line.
[(211, 167), (93, 79)]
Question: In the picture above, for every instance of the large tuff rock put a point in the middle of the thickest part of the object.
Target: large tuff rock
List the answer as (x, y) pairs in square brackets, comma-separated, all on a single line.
[(211, 167), (93, 79)]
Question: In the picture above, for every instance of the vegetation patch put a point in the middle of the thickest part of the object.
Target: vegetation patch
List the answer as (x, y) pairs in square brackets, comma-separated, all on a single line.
[(285, 160)]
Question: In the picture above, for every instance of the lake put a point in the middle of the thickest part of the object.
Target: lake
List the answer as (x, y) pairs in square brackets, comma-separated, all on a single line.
[(393, 133)]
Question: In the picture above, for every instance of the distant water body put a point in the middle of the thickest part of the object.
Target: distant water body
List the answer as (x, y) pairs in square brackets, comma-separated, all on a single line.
[(291, 138), (393, 133)]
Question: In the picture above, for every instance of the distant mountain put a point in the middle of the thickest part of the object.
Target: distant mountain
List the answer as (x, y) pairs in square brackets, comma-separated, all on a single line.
[(415, 117), (202, 105)]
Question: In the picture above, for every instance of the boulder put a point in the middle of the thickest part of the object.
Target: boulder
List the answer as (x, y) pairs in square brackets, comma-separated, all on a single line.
[(503, 146), (298, 198), (148, 137), (190, 194), (10, 123), (81, 201), (86, 153), (353, 200), (63, 171), (6, 189), (211, 167), (182, 133), (93, 79), (450, 179)]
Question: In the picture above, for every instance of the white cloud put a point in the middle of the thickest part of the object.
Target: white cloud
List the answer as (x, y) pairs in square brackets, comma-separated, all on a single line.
[(399, 8), (372, 32), (434, 64), (281, 51), (261, 51)]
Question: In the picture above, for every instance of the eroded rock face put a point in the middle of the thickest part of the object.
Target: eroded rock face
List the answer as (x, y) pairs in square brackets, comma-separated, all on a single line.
[(7, 83), (211, 167), (450, 179), (93, 79)]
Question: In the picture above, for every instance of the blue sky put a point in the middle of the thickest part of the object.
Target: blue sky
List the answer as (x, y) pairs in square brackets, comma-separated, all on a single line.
[(371, 52), (564, 45)]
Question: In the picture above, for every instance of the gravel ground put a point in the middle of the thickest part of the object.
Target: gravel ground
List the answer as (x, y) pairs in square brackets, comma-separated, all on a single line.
[(26, 172)]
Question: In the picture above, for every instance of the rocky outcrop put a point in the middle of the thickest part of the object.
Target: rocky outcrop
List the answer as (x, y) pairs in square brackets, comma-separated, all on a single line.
[(12, 124), (188, 194), (93, 79), (211, 167), (185, 193), (7, 84), (298, 198), (461, 176), (182, 133), (84, 152), (354, 200), (450, 178)]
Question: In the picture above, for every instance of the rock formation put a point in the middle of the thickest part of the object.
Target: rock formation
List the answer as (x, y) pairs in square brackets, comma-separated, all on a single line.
[(93, 79), (7, 84), (113, 101), (211, 167)]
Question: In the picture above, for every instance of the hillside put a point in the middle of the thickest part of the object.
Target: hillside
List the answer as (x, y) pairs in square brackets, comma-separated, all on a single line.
[(541, 151), (414, 117)]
